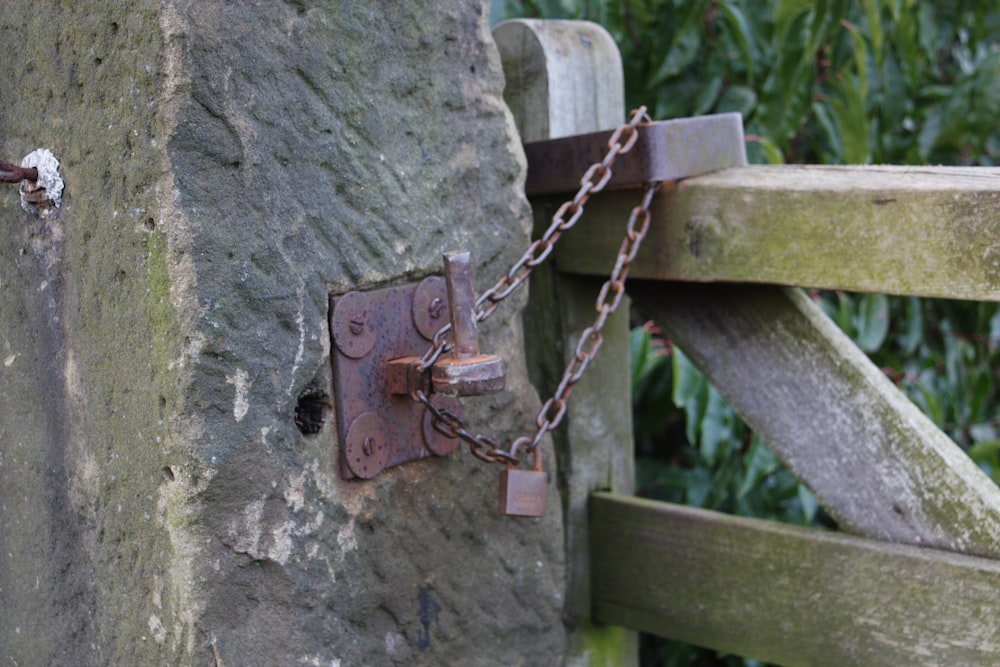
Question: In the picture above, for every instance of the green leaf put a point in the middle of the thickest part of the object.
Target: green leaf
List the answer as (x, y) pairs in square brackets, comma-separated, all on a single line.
[(809, 504), (645, 356), (681, 54), (873, 12), (771, 153), (708, 93), (827, 123), (688, 380), (690, 393), (849, 104), (845, 314), (987, 455), (988, 450), (914, 326), (760, 462), (872, 321), (737, 98), (716, 428), (930, 132), (740, 29)]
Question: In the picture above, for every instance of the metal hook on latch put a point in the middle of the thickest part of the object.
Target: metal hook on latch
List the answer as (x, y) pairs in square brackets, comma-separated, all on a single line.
[(465, 371)]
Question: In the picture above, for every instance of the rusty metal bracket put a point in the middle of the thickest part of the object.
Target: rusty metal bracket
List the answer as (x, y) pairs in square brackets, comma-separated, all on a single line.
[(381, 383), (666, 151), (378, 423)]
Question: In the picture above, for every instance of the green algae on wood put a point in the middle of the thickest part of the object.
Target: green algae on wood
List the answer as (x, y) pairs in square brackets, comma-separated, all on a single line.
[(922, 231), (786, 594)]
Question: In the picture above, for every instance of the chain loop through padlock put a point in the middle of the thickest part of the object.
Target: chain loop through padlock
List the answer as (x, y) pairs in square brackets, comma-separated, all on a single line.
[(522, 492)]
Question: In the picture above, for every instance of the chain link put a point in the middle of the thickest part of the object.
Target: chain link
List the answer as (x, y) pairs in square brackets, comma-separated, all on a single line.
[(540, 249), (553, 410)]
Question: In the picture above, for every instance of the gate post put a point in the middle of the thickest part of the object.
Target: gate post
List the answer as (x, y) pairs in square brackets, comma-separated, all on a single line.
[(170, 481), (565, 78)]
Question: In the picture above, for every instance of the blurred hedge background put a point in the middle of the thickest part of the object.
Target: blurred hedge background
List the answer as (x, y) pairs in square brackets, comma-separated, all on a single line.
[(863, 81)]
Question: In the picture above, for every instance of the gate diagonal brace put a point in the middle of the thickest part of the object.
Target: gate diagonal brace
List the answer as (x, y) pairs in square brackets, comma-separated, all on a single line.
[(666, 151)]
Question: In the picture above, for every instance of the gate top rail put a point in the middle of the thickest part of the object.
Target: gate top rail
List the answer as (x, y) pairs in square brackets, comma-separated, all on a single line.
[(920, 231)]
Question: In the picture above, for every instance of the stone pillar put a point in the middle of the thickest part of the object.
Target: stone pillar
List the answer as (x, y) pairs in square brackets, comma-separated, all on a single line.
[(227, 168)]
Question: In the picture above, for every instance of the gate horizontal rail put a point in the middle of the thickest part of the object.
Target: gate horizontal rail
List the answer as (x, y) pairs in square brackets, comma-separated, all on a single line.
[(921, 231), (787, 594)]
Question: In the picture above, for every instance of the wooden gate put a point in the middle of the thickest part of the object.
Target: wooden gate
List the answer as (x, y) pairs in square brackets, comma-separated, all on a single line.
[(914, 578)]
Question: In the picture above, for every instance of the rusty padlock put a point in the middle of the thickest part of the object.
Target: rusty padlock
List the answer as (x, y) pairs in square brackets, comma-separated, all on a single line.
[(522, 492), (466, 371)]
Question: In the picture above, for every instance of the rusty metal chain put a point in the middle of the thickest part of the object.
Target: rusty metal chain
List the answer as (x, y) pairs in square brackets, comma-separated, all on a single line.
[(553, 410)]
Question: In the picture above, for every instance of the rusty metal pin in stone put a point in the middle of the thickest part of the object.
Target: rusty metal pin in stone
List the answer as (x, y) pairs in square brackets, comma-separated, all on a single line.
[(464, 328), (11, 173), (465, 372)]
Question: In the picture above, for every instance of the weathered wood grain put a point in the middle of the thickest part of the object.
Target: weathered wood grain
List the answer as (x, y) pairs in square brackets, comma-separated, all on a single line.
[(874, 461), (925, 231), (565, 78), (786, 594)]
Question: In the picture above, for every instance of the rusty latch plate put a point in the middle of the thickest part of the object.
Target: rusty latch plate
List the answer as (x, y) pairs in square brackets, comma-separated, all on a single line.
[(666, 150), (379, 428)]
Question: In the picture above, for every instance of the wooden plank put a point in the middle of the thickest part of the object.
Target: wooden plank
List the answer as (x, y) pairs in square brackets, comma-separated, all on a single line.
[(874, 461), (925, 231), (786, 594), (565, 78)]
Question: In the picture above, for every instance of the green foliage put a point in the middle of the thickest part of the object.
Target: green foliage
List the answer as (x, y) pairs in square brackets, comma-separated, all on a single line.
[(817, 81)]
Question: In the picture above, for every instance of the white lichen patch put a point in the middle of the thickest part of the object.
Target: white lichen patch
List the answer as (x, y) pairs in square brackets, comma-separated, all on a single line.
[(300, 324), (295, 494), (176, 513), (257, 533), (347, 539), (157, 629), (395, 643), (282, 544), (318, 661), (241, 382), (48, 180), (245, 531)]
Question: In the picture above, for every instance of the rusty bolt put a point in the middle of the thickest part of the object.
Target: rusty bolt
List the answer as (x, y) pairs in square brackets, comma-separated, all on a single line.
[(430, 303), (367, 449), (436, 308), (11, 173), (353, 324)]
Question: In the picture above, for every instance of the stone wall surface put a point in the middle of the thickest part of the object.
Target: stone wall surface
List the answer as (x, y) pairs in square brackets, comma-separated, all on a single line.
[(228, 167)]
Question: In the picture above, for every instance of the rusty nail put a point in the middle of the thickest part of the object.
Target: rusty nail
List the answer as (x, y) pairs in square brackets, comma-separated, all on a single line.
[(429, 306), (353, 324), (367, 450), (357, 325), (11, 173), (435, 308)]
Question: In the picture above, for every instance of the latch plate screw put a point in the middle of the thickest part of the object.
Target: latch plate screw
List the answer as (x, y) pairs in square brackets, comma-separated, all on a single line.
[(353, 331), (367, 449)]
